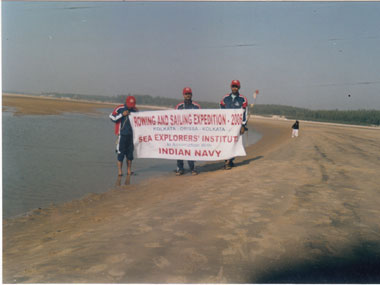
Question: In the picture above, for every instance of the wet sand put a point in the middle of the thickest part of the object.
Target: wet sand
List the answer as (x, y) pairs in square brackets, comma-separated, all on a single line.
[(293, 210), (35, 105), (39, 105)]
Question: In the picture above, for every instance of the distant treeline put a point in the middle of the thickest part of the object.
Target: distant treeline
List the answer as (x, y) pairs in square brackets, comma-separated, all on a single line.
[(141, 99), (357, 117)]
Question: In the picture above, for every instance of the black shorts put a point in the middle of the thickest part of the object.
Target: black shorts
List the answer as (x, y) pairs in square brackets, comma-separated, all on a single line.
[(125, 147)]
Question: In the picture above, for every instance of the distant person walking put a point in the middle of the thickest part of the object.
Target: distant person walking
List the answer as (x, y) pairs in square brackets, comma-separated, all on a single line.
[(235, 100), (186, 104), (295, 128), (123, 129)]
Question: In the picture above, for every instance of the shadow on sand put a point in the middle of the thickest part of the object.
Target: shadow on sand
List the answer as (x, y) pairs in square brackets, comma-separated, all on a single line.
[(212, 166), (359, 264)]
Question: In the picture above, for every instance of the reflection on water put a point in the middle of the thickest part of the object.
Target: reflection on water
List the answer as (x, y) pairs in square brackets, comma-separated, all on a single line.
[(57, 158), (127, 180)]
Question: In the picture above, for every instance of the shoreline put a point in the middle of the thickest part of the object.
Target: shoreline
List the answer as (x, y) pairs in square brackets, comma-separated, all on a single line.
[(269, 127), (202, 166), (264, 143), (43, 224), (266, 126), (90, 108), (310, 201), (316, 122), (41, 107)]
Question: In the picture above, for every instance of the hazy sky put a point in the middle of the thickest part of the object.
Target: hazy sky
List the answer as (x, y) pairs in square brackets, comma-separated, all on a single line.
[(306, 54)]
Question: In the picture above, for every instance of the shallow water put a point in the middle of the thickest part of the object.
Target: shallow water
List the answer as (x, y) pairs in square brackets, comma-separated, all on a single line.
[(58, 158)]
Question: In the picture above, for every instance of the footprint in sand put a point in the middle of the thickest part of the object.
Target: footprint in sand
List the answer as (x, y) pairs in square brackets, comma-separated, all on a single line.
[(152, 245), (161, 262), (97, 268), (116, 258), (115, 272), (193, 260)]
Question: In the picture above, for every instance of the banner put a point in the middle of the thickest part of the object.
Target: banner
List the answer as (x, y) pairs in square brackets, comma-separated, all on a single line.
[(194, 134)]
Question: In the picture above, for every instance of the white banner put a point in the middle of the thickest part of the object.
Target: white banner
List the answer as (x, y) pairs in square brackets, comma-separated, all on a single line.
[(196, 134)]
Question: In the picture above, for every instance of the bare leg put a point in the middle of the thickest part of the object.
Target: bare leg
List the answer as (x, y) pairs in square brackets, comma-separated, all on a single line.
[(119, 167), (129, 167)]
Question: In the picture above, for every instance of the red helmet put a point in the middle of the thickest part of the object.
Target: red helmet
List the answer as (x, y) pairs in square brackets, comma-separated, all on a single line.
[(235, 82), (130, 102), (187, 90)]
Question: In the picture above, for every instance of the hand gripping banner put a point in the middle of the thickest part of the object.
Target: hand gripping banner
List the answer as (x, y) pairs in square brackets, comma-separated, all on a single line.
[(196, 134)]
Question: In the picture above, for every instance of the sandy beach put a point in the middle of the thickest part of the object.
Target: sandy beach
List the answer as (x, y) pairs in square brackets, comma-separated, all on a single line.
[(302, 210)]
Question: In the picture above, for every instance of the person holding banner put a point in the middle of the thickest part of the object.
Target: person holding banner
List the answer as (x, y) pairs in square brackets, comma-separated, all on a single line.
[(123, 129), (235, 100), (187, 104)]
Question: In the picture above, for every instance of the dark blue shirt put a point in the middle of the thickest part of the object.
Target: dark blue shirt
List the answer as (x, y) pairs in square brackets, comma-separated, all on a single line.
[(123, 122)]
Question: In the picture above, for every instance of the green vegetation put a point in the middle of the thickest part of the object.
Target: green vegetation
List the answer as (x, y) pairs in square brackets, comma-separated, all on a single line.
[(357, 117), (141, 99)]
